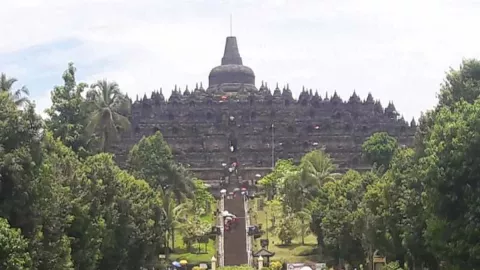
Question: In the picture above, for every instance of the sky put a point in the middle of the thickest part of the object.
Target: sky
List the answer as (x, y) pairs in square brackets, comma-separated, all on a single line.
[(397, 50)]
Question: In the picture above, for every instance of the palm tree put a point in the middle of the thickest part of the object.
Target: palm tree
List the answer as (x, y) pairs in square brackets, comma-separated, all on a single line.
[(178, 180), (316, 168), (173, 213), (109, 110), (18, 96)]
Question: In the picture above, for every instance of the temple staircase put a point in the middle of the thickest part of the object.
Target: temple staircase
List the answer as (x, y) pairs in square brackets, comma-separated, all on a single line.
[(235, 240)]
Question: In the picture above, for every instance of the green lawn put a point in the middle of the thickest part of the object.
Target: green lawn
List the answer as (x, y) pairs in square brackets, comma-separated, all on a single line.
[(296, 252), (181, 252), (202, 253)]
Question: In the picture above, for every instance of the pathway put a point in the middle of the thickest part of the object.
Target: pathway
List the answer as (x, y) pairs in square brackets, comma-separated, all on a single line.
[(235, 241)]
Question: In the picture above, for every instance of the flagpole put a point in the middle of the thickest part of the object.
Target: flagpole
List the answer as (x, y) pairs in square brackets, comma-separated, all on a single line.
[(273, 146), (231, 25)]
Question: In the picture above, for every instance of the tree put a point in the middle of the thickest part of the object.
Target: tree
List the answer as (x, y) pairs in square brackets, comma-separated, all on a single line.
[(287, 230), (174, 214), (272, 182), (148, 159), (151, 159), (53, 206), (446, 171), (74, 214), (303, 185), (202, 199), (33, 198), (193, 229), (6, 84), (275, 212), (13, 248), (407, 190), (20, 138), (305, 216), (128, 214), (379, 149), (391, 217), (109, 110), (339, 205), (316, 168), (452, 173), (461, 85), (291, 191), (68, 113)]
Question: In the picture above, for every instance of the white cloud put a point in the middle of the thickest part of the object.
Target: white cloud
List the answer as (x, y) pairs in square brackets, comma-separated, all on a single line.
[(398, 50)]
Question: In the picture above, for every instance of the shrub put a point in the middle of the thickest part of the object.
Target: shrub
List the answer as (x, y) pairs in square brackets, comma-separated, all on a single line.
[(276, 265)]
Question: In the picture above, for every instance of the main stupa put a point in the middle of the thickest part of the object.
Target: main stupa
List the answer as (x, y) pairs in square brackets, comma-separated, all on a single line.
[(231, 76)]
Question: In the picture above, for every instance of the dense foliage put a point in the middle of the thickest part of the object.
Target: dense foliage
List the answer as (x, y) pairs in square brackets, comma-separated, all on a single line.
[(13, 248), (379, 148), (418, 206), (65, 204)]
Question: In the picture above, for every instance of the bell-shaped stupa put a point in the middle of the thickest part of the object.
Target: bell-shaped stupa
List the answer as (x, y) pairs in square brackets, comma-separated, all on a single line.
[(231, 76)]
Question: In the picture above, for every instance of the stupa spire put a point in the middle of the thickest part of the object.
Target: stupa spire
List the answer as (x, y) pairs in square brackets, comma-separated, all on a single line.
[(231, 56)]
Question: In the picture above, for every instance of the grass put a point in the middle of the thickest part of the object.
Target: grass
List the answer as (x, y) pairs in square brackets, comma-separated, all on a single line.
[(181, 252), (200, 253), (296, 252)]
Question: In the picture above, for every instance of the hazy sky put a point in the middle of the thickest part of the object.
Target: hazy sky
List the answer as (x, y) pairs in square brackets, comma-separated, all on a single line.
[(397, 50)]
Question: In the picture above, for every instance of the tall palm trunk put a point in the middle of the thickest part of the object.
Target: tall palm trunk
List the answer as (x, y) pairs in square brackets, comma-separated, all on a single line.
[(303, 231), (165, 244), (105, 142), (173, 238)]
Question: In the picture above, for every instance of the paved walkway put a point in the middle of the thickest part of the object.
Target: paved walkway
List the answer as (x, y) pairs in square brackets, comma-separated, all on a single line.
[(248, 238), (235, 241)]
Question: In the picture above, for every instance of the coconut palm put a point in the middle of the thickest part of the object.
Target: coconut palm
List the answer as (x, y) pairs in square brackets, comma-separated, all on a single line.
[(173, 213), (109, 110), (19, 95), (303, 185), (316, 168), (178, 180)]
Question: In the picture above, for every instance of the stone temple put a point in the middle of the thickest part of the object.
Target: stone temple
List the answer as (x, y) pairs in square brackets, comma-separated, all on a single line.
[(232, 130)]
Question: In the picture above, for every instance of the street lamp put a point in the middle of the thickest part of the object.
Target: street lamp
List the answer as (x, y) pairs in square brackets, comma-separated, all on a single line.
[(273, 146), (266, 226)]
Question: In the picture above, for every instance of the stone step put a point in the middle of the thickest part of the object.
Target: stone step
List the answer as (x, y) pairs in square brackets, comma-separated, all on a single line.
[(235, 241)]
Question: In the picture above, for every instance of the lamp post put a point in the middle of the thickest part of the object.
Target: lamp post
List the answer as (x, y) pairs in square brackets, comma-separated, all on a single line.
[(266, 229), (273, 146)]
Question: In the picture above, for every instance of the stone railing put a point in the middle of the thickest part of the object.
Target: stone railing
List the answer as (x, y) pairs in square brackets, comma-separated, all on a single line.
[(248, 237), (220, 238)]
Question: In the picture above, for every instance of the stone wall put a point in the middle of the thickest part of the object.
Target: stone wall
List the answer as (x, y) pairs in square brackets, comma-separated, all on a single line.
[(200, 126)]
